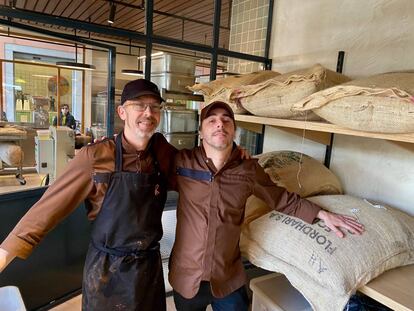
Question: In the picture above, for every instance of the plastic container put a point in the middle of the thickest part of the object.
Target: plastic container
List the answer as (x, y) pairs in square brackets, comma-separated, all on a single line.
[(273, 292), (10, 299)]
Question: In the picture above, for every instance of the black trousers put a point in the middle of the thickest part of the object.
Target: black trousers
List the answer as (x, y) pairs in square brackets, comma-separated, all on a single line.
[(236, 301)]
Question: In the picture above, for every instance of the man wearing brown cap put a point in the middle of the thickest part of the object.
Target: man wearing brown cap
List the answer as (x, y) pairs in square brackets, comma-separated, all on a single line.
[(124, 184), (214, 184)]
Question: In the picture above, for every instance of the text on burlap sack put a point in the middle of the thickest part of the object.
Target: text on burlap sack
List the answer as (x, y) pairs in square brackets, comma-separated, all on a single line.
[(309, 230)]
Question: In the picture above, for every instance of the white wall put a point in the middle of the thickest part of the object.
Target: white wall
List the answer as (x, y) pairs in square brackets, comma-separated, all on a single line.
[(377, 36)]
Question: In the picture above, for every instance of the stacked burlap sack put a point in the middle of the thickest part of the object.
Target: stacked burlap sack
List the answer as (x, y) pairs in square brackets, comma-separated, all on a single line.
[(326, 269), (276, 96), (221, 89), (297, 173), (10, 152), (382, 103)]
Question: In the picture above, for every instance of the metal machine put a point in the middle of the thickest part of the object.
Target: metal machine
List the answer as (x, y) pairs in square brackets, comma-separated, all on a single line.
[(54, 149)]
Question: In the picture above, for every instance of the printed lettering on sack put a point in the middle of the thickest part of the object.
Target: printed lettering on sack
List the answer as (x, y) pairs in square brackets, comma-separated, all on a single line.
[(286, 159), (316, 262), (307, 229)]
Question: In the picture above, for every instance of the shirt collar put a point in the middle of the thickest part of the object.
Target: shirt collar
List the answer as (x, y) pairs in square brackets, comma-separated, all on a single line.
[(129, 148), (234, 156)]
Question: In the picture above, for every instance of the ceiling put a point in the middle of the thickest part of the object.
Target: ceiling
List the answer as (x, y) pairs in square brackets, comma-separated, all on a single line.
[(185, 20)]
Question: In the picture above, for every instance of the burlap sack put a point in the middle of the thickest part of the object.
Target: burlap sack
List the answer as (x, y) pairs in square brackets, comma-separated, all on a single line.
[(326, 269), (11, 154), (275, 97), (382, 103), (296, 172), (299, 173), (254, 209), (221, 89)]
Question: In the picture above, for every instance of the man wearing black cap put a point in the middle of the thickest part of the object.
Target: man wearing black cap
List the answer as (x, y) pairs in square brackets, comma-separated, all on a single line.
[(124, 184), (205, 264)]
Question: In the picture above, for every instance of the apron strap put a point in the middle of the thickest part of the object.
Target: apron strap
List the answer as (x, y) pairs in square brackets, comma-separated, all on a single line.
[(118, 152)]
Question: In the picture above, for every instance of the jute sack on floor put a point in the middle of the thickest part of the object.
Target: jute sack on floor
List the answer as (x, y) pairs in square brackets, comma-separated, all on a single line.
[(297, 173), (326, 269), (11, 154), (275, 97), (220, 90), (382, 103)]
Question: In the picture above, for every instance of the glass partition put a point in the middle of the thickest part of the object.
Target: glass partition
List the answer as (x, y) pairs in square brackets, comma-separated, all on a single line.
[(46, 109)]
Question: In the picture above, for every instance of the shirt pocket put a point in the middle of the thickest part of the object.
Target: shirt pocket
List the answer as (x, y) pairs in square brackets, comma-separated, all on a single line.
[(234, 191)]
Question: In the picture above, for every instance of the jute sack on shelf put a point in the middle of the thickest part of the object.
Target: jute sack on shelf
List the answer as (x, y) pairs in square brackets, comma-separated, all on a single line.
[(11, 154), (326, 269), (381, 103), (220, 90), (297, 173), (275, 97)]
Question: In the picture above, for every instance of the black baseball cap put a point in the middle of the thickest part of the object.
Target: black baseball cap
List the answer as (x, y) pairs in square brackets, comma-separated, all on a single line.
[(139, 87), (206, 111)]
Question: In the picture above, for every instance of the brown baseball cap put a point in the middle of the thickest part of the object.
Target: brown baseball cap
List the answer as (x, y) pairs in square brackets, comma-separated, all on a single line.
[(139, 87), (206, 111)]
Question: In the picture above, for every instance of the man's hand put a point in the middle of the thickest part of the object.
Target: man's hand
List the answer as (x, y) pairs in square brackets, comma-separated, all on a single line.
[(245, 155), (335, 221), (5, 259)]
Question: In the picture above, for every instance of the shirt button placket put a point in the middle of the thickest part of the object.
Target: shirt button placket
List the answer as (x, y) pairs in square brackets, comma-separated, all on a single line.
[(212, 228)]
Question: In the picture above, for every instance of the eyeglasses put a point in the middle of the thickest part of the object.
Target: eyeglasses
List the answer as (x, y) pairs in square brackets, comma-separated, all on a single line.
[(142, 107)]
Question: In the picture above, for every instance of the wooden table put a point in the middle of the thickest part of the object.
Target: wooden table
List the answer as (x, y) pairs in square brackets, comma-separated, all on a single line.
[(393, 288)]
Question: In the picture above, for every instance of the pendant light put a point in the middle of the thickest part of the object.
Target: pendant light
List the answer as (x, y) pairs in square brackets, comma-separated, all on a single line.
[(75, 65), (112, 10), (134, 72)]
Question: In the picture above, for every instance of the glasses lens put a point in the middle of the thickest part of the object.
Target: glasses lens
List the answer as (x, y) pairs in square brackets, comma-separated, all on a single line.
[(142, 107), (155, 108), (139, 107)]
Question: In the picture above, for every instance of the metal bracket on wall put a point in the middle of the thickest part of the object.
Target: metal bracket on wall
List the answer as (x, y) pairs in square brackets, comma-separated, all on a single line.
[(328, 152), (259, 141)]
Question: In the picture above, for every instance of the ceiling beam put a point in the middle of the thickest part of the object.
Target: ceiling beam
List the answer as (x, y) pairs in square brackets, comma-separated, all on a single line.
[(113, 31)]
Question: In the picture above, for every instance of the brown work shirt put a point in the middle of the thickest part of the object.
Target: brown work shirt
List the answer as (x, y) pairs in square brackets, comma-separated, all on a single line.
[(76, 184), (209, 217)]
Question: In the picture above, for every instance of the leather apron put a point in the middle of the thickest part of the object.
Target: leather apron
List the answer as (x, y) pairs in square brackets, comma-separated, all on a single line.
[(123, 269)]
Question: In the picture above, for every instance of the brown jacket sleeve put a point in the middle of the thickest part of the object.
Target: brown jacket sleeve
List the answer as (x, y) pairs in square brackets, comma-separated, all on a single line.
[(280, 199), (62, 197)]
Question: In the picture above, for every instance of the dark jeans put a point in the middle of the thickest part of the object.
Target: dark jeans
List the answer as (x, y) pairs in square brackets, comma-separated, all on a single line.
[(236, 301), (359, 302)]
